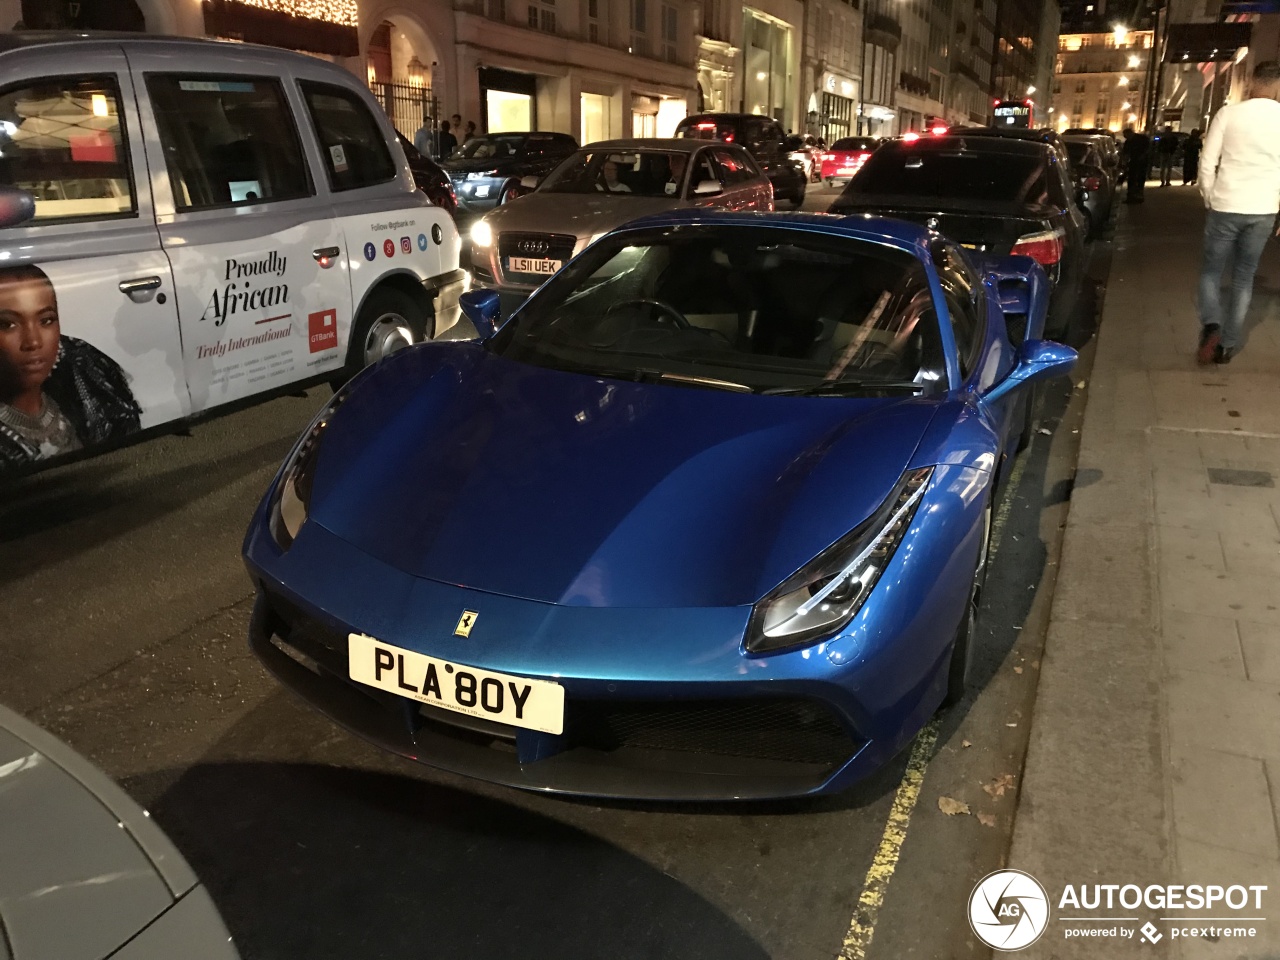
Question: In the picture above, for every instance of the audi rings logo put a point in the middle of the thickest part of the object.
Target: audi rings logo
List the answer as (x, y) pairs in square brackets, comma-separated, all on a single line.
[(1008, 910), (534, 248)]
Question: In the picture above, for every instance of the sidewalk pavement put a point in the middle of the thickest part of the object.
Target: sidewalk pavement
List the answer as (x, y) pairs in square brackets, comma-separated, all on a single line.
[(1155, 743)]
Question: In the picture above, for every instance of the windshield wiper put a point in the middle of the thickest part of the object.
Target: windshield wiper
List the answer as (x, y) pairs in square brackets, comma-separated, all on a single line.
[(843, 388), (697, 381)]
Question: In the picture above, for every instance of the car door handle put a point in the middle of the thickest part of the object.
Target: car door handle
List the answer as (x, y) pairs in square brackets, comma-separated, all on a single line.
[(326, 255), (140, 290)]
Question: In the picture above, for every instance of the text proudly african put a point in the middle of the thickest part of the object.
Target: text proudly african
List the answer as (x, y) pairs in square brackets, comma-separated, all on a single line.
[(250, 285)]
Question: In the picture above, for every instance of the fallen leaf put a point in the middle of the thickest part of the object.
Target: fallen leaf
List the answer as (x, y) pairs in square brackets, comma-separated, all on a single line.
[(952, 807), (999, 785), (987, 819), (965, 743), (1017, 670), (1080, 385), (1046, 431)]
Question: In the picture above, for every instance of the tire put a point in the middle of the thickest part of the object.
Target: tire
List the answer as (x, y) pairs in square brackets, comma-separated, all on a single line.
[(390, 320), (510, 191), (960, 670), (831, 181), (1028, 421)]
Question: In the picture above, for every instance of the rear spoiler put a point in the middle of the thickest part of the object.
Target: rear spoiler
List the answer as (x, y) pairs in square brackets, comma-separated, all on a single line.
[(1023, 289)]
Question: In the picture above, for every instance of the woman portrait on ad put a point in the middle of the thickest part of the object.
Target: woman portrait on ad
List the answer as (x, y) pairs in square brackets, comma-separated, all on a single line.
[(58, 394)]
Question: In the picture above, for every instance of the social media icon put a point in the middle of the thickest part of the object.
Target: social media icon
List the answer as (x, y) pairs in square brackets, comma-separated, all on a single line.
[(370, 251), (406, 245), (389, 247), (422, 241)]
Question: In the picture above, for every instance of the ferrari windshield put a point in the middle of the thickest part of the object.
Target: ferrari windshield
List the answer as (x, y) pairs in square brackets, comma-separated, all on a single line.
[(737, 307), (637, 173)]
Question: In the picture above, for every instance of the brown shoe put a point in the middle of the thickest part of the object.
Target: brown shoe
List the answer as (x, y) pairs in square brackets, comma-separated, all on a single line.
[(1210, 337)]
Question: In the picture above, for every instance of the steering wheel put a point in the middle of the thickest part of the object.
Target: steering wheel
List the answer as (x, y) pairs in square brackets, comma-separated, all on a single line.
[(678, 319)]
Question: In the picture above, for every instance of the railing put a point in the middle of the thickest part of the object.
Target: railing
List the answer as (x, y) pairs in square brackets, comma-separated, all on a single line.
[(883, 31), (410, 106), (913, 84)]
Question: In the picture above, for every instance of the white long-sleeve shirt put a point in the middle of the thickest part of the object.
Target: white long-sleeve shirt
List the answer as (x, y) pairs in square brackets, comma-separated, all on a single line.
[(1240, 163)]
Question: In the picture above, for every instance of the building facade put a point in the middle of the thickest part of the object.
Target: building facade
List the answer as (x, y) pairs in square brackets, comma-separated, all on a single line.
[(831, 69), (881, 43), (1101, 78), (1026, 35), (972, 47)]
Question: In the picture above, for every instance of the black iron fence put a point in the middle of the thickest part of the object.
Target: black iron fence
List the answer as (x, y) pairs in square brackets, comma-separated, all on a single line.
[(410, 107)]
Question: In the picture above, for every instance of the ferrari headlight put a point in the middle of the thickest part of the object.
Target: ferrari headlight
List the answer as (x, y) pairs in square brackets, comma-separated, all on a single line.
[(481, 234), (293, 494), (827, 593)]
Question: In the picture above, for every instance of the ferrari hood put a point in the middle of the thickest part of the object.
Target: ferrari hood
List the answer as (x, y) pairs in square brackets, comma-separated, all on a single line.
[(456, 465)]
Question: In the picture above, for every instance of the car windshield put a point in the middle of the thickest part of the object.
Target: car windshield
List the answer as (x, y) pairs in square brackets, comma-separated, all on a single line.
[(637, 173), (853, 143), (1079, 151), (717, 307), (948, 170), (484, 148)]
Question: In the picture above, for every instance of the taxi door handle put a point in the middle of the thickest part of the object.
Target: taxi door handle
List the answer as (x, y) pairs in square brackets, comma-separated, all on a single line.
[(140, 290), (326, 255)]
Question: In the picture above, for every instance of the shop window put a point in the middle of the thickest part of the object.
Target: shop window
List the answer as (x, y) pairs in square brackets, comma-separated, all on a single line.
[(227, 140), (65, 144)]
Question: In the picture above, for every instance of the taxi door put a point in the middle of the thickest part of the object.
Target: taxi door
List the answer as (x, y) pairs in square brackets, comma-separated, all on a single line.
[(264, 297), (88, 325)]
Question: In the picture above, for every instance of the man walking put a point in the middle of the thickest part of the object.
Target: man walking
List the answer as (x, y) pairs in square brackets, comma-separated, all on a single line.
[(1166, 147), (1137, 163), (1191, 157), (1240, 181)]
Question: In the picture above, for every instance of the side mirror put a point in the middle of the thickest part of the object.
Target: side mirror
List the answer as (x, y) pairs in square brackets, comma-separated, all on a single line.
[(708, 188), (483, 308), (1037, 360), (529, 183), (16, 206)]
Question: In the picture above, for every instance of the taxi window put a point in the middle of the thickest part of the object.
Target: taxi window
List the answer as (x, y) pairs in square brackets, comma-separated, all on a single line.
[(227, 140), (355, 153), (63, 140)]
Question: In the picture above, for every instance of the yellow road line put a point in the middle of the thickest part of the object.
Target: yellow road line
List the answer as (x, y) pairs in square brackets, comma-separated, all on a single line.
[(863, 926)]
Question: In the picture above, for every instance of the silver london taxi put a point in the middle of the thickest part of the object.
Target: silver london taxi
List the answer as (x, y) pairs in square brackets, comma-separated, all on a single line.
[(187, 224)]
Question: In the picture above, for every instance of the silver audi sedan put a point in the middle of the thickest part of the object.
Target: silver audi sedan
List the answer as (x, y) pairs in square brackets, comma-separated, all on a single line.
[(516, 246)]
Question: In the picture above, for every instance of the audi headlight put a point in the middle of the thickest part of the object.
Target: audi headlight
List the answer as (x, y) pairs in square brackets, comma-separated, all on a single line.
[(826, 594), (293, 494), (481, 234)]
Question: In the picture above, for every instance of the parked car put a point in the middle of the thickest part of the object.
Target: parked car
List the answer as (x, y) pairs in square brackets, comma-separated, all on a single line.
[(1095, 185), (764, 140), (518, 245), (846, 157), (430, 177), (86, 871), (804, 150), (669, 531), (993, 194), (489, 170), (190, 224)]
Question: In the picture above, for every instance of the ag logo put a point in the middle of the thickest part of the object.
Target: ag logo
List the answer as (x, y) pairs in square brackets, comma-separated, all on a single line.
[(1008, 910), (465, 623)]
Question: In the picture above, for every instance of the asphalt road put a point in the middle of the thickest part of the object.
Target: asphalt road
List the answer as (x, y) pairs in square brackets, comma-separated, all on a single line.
[(123, 616)]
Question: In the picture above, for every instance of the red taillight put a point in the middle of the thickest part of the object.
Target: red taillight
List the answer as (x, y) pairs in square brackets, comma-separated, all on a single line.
[(1093, 183), (938, 131), (1045, 248), (910, 137)]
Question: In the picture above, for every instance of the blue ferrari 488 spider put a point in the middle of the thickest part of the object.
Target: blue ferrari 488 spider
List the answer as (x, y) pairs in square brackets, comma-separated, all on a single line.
[(706, 518)]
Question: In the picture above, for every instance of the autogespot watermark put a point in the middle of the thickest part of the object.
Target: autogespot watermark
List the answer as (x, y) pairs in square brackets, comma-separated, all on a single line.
[(1010, 910)]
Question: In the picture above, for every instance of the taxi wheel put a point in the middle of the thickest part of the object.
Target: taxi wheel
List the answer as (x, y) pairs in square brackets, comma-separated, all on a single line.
[(390, 320), (960, 671)]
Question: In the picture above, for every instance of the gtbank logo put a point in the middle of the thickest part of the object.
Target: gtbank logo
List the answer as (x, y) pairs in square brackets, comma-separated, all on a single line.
[(322, 330)]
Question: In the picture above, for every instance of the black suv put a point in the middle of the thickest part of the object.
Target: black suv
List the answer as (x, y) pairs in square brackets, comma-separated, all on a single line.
[(764, 139), (487, 170)]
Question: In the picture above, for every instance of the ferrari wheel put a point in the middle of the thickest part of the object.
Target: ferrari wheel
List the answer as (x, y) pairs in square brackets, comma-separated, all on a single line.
[(961, 669)]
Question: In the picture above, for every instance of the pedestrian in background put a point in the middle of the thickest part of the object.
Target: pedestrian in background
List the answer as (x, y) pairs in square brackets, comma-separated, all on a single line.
[(1137, 163), (1191, 157), (446, 142), (1166, 147), (423, 140), (470, 132), (1240, 181)]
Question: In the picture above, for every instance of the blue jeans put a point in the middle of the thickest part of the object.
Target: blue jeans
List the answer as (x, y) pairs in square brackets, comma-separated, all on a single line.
[(1242, 238)]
